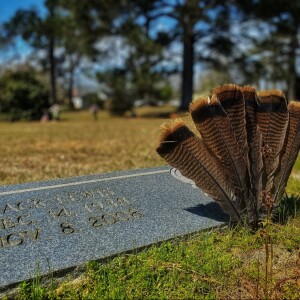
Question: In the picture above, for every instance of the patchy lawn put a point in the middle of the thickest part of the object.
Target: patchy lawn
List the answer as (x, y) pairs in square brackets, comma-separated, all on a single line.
[(219, 264)]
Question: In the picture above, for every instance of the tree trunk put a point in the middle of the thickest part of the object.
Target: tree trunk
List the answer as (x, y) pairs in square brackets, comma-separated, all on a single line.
[(148, 95), (52, 62), (188, 68), (292, 77), (70, 88)]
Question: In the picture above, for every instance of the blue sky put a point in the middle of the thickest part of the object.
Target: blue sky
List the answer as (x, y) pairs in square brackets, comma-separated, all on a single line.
[(21, 49), (9, 7)]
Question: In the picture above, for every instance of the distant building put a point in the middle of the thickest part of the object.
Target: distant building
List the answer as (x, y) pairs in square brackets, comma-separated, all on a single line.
[(77, 102), (85, 98)]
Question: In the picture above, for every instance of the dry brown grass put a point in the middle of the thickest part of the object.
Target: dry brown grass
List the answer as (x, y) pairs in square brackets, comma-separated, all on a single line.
[(76, 146), (79, 146)]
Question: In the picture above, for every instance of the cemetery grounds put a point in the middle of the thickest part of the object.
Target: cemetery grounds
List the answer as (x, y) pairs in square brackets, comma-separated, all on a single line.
[(225, 263)]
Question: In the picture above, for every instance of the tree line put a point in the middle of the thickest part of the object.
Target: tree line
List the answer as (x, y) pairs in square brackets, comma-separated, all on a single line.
[(248, 41)]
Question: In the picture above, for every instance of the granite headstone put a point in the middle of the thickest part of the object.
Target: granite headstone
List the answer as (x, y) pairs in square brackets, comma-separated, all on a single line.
[(57, 225)]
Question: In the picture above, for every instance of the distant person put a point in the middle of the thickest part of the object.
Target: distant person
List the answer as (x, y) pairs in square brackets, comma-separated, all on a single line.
[(94, 111), (55, 111), (45, 117)]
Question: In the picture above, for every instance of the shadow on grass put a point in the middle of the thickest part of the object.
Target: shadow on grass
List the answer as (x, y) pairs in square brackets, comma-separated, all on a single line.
[(211, 210), (162, 115)]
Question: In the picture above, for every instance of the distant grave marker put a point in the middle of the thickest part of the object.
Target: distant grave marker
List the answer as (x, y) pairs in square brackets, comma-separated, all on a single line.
[(62, 224)]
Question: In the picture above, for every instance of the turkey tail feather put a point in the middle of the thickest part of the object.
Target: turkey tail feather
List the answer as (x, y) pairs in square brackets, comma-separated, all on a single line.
[(254, 140), (215, 129), (231, 99), (186, 152), (272, 118), (290, 150)]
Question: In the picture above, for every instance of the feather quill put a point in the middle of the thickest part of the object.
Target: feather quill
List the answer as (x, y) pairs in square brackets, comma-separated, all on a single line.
[(254, 139), (272, 118), (290, 150), (186, 152)]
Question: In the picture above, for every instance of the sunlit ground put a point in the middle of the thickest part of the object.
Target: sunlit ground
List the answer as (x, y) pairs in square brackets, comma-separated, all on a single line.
[(221, 265), (77, 145)]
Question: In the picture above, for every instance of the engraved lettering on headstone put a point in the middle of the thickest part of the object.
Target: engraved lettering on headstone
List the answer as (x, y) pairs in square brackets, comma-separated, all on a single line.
[(8, 207), (20, 205), (38, 221), (87, 194), (68, 228), (61, 212), (60, 199), (23, 220), (123, 215), (105, 192), (90, 207), (72, 197), (30, 203), (122, 201), (76, 196), (105, 203), (14, 239), (110, 202), (33, 235), (108, 219), (135, 213), (18, 238), (38, 203), (7, 223), (10, 223), (96, 221)]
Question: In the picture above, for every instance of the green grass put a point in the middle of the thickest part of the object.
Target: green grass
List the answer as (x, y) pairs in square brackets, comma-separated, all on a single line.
[(219, 264)]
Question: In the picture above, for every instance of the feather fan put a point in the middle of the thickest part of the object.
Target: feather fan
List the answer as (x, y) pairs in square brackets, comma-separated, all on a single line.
[(247, 146), (183, 150)]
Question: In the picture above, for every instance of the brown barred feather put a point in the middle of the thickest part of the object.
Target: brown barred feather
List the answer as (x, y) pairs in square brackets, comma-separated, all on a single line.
[(254, 140), (186, 152), (217, 134), (232, 101), (272, 118), (290, 150)]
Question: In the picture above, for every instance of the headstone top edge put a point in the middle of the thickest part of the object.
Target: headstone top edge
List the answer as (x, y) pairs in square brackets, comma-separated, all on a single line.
[(83, 178)]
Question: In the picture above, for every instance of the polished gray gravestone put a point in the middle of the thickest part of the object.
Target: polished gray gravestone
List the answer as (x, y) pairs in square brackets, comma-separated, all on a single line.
[(56, 225)]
